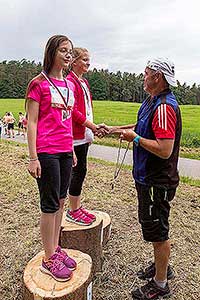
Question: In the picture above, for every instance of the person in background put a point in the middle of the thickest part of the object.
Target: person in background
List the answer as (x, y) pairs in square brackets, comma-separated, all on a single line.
[(83, 135), (1, 127), (156, 139), (50, 146), (11, 122), (24, 125), (20, 123), (5, 123)]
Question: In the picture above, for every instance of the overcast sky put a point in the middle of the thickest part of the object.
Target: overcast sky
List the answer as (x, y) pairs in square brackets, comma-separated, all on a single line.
[(120, 34)]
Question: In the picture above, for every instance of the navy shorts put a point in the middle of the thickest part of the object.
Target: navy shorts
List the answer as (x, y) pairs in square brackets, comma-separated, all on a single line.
[(153, 211), (54, 181)]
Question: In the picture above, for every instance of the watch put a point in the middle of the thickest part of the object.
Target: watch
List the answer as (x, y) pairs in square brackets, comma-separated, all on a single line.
[(136, 140)]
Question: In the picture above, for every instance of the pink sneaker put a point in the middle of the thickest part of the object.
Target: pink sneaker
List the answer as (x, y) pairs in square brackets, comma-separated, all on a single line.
[(68, 261), (78, 217), (56, 268), (88, 214)]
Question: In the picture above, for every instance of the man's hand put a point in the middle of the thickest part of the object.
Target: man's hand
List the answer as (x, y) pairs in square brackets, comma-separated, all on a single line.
[(128, 135)]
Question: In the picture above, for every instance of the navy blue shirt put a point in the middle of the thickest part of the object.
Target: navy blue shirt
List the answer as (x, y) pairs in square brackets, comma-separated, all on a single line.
[(150, 169)]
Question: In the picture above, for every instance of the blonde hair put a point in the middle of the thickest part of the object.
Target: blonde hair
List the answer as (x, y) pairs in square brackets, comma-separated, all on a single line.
[(78, 52)]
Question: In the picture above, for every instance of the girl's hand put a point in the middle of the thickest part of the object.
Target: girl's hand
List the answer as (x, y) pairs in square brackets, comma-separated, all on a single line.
[(74, 162), (34, 168)]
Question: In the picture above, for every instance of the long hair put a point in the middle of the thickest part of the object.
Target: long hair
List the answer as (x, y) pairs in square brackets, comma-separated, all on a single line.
[(78, 52), (50, 50), (49, 57)]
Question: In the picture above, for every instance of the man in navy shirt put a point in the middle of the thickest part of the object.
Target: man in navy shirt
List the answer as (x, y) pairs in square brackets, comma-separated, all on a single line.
[(156, 138)]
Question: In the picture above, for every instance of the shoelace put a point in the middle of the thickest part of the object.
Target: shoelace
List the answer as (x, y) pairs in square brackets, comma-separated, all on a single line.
[(80, 217), (119, 166), (54, 264)]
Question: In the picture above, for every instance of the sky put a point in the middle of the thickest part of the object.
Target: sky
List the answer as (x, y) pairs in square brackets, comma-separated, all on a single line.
[(119, 34)]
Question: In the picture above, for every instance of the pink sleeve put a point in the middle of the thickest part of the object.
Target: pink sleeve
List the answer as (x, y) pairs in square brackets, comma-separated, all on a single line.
[(164, 122), (34, 92)]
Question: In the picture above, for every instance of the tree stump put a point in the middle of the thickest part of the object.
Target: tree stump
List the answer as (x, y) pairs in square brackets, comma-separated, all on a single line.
[(87, 239), (106, 225), (39, 286)]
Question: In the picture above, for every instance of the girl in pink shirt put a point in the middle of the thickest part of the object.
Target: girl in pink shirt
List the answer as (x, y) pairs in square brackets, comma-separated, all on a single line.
[(49, 107)]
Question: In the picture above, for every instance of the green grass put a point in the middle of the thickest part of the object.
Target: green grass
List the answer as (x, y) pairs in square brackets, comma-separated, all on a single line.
[(118, 113), (13, 105)]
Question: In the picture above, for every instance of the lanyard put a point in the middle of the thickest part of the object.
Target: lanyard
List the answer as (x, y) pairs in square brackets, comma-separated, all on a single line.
[(54, 86), (119, 165)]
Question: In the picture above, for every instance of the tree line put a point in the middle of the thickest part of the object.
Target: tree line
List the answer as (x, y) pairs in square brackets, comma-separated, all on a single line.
[(105, 85)]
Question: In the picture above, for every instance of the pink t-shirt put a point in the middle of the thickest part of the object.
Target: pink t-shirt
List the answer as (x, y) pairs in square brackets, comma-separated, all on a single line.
[(54, 128)]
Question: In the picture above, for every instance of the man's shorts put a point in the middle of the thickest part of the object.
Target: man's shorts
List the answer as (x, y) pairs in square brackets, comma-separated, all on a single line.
[(54, 181), (10, 126), (153, 211)]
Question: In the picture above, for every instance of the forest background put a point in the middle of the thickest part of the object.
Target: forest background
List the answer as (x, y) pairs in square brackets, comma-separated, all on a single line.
[(105, 85)]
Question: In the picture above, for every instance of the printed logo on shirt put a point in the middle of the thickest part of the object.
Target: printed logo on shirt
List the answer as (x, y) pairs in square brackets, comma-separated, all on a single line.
[(56, 100), (66, 114)]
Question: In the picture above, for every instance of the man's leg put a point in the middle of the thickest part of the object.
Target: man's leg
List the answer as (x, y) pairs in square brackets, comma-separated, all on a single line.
[(161, 258)]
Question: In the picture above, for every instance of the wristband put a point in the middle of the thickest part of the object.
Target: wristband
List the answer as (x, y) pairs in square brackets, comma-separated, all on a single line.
[(136, 140), (33, 159)]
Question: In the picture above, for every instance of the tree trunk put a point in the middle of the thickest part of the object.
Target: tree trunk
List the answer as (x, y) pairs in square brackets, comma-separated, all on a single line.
[(39, 286), (106, 225), (87, 239)]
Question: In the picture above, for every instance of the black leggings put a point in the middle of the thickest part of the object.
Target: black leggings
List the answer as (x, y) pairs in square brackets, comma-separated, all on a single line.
[(79, 171), (54, 181)]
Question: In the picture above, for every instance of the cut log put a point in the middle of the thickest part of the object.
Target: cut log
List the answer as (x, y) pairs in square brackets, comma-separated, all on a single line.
[(87, 239), (106, 225), (39, 286)]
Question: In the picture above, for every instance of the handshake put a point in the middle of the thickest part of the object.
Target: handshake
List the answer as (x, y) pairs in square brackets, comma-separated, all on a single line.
[(125, 132), (103, 129)]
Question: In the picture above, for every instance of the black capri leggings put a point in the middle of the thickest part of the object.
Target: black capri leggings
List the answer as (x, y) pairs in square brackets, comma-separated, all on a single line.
[(79, 171), (54, 181)]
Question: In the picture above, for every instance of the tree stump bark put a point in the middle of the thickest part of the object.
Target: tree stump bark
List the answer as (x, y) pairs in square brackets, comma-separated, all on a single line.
[(87, 239), (39, 286), (106, 225)]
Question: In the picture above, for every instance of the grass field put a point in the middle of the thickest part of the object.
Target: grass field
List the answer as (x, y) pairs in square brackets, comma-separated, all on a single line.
[(118, 113)]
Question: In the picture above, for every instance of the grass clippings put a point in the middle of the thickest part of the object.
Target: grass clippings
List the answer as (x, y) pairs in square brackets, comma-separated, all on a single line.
[(125, 252)]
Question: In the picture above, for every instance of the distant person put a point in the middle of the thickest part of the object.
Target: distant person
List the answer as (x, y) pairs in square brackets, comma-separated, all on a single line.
[(83, 135), (11, 122), (51, 149), (1, 127), (5, 123), (20, 123), (156, 139), (24, 125)]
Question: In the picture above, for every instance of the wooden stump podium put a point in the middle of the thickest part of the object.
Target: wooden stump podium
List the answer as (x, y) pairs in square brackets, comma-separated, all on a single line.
[(39, 286), (106, 225), (87, 239)]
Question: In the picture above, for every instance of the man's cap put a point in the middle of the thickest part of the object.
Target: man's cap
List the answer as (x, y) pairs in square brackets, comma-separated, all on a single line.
[(165, 66)]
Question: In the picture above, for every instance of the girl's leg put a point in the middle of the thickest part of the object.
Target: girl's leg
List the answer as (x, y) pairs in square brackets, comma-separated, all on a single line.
[(47, 231), (65, 172), (49, 187), (58, 220), (78, 176), (74, 202)]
